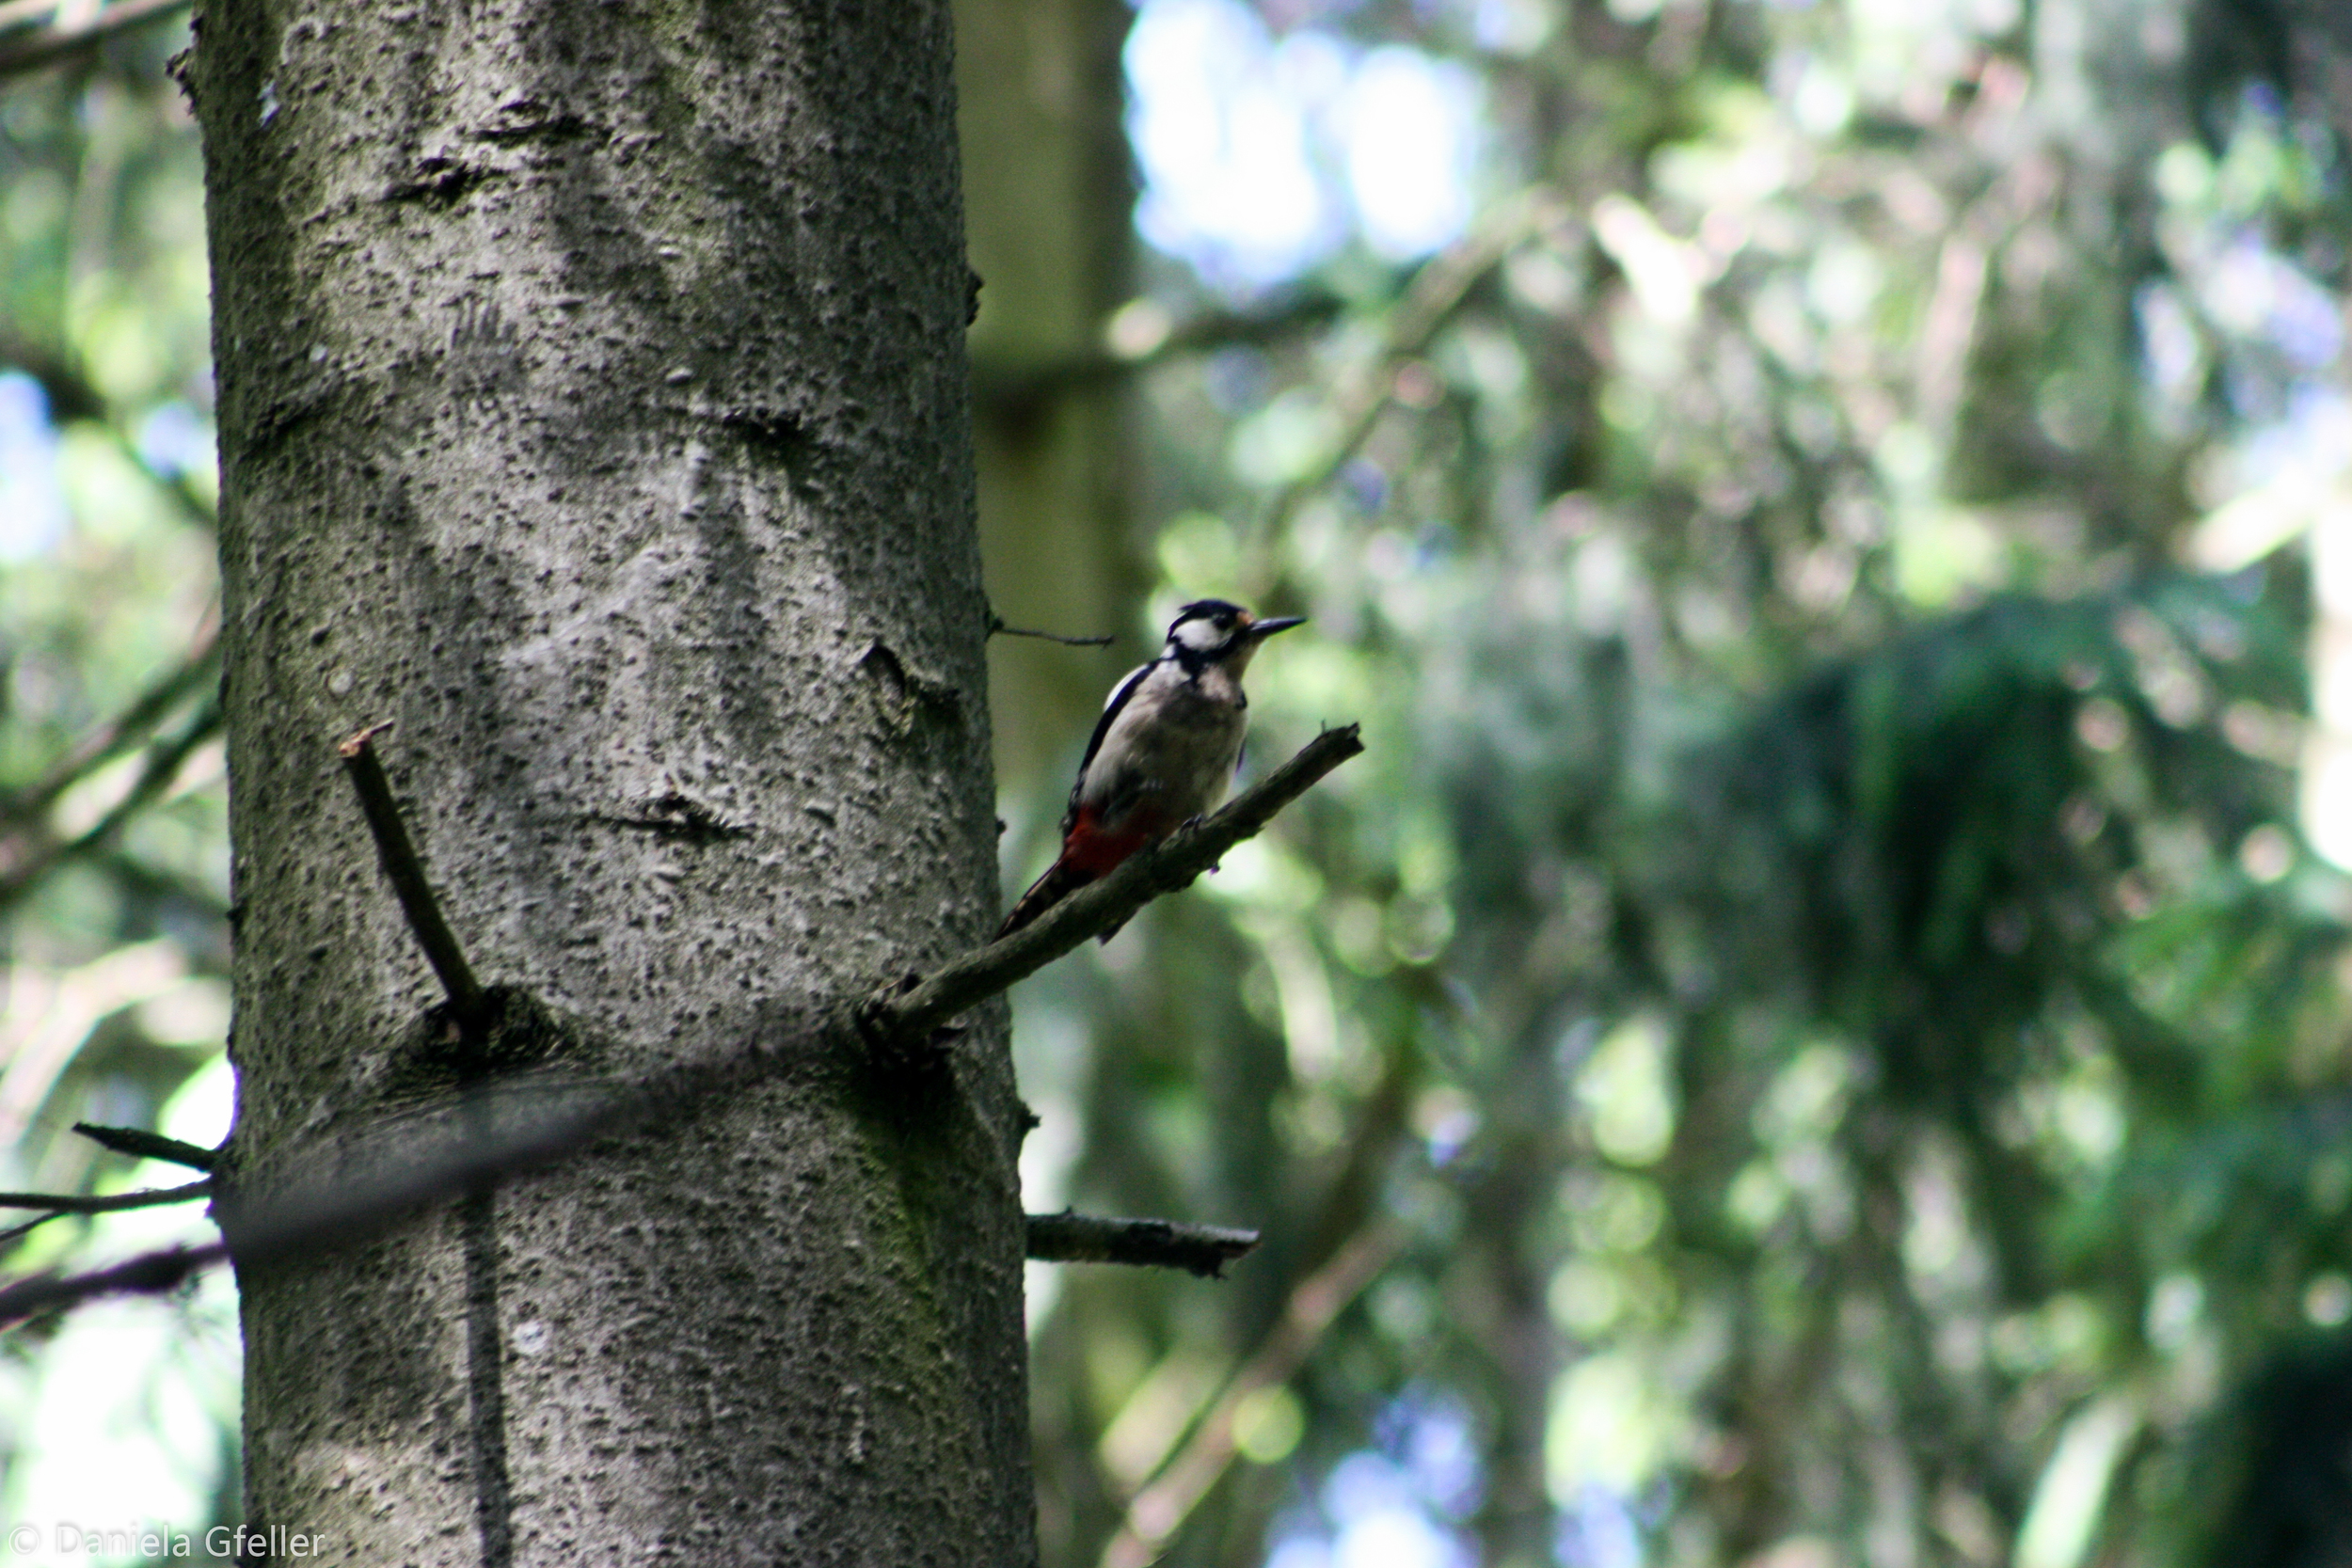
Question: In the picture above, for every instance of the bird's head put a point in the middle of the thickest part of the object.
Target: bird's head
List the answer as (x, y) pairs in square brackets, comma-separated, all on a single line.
[(1211, 631)]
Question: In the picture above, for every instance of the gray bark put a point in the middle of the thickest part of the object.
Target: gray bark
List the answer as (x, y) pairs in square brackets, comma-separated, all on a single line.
[(593, 406)]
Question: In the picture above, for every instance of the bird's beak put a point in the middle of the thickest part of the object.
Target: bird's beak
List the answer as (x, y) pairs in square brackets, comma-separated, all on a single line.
[(1281, 623)]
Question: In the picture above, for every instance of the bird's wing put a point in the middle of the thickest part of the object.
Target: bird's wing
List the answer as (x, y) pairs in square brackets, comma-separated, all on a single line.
[(1117, 701)]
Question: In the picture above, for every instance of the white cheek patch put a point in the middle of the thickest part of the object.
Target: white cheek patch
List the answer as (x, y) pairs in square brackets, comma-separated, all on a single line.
[(1199, 635)]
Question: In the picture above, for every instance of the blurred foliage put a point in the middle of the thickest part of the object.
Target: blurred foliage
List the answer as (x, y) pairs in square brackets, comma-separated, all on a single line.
[(1821, 957), (113, 824), (1813, 1037)]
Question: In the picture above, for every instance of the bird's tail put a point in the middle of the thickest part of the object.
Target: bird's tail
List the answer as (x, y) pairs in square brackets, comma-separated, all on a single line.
[(1060, 880)]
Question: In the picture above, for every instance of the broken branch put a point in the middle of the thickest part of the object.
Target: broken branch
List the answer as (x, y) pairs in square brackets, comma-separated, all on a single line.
[(1199, 1249), (142, 1145), (397, 853)]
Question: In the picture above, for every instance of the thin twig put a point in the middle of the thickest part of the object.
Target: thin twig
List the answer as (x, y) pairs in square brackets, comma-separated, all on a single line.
[(16, 1232), (48, 44), (397, 853), (142, 1145), (61, 1204), (911, 1012), (1199, 1249), (163, 761), (996, 628), (116, 737), (71, 1203)]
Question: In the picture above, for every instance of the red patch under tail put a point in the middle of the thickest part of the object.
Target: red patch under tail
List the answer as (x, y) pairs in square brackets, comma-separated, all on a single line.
[(1088, 855)]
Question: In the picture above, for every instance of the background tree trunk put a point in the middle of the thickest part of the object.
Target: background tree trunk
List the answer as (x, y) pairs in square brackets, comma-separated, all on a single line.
[(1049, 195), (592, 405)]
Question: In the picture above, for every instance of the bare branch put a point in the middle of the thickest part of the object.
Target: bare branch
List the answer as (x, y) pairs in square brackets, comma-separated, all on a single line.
[(45, 46), (71, 1203), (996, 628), (116, 737), (397, 853), (15, 1232), (497, 1132), (163, 761), (1200, 1249), (142, 1145), (911, 1012), (61, 1204), (149, 1274)]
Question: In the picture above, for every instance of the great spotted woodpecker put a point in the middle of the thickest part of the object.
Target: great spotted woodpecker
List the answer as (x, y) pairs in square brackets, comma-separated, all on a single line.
[(1162, 754)]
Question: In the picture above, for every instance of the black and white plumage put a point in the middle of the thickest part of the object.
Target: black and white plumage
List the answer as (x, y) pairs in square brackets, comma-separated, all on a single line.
[(1163, 753)]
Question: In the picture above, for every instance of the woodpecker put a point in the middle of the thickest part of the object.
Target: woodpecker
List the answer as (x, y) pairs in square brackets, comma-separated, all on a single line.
[(1162, 754)]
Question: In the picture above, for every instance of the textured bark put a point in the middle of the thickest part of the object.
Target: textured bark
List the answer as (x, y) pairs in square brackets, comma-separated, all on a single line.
[(593, 406)]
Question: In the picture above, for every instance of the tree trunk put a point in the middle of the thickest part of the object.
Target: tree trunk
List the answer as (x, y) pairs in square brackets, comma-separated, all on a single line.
[(592, 405)]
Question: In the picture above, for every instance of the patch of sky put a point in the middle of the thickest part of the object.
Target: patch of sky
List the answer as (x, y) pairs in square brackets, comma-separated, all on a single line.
[(1383, 1521), (1510, 26), (2256, 293), (32, 498), (174, 439), (1431, 1437), (2175, 358), (1263, 156), (2307, 441), (1393, 1505), (1406, 122), (1598, 1531)]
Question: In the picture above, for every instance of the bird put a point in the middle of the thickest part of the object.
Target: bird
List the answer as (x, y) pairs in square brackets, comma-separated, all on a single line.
[(1161, 755)]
